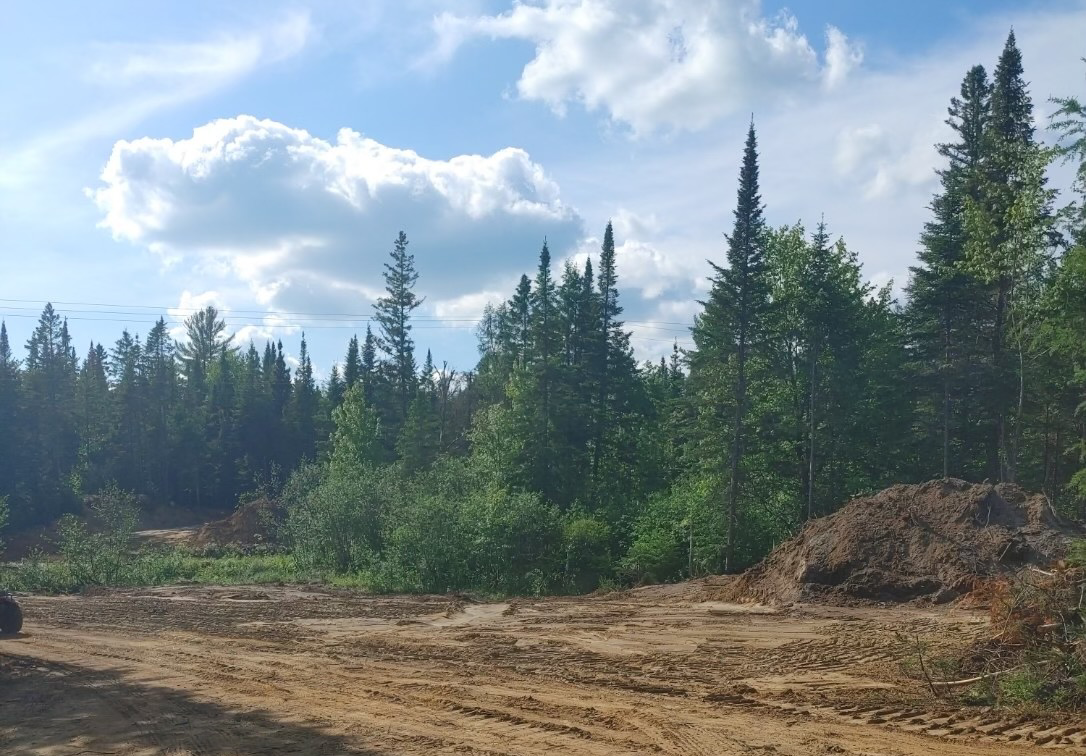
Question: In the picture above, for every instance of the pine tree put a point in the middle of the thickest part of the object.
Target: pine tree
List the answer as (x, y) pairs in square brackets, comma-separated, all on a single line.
[(206, 332), (617, 391), (1008, 224), (546, 340), (129, 409), (393, 315), (160, 375), (51, 425), (368, 368), (11, 423), (352, 364), (520, 317), (336, 388), (732, 321), (947, 303), (304, 408)]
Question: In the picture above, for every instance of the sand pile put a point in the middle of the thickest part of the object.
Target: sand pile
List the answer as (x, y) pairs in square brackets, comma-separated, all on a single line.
[(937, 540), (251, 524)]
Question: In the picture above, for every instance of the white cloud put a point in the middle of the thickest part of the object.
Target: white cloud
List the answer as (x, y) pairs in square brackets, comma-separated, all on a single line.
[(651, 64), (306, 224), (130, 83), (221, 58)]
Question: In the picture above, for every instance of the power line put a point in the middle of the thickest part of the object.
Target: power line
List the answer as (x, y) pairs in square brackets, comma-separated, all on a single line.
[(297, 319)]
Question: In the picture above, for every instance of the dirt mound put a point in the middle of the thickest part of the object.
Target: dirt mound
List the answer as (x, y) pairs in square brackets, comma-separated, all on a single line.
[(251, 524), (932, 540), (154, 518)]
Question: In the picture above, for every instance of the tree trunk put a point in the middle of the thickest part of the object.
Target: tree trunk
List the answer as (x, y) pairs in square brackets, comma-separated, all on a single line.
[(811, 435), (1000, 446), (946, 396), (737, 441)]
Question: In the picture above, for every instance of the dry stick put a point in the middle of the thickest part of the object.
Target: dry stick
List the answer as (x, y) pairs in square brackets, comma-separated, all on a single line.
[(924, 668), (982, 678)]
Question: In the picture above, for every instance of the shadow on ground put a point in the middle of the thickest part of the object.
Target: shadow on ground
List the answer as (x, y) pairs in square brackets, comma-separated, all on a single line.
[(48, 708)]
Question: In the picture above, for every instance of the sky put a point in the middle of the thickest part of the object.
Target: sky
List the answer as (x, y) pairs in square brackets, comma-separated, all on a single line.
[(262, 156)]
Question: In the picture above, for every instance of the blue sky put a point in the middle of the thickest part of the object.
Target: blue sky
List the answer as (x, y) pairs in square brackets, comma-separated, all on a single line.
[(261, 156)]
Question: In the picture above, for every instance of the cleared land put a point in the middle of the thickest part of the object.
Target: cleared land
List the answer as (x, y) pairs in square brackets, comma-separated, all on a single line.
[(215, 671)]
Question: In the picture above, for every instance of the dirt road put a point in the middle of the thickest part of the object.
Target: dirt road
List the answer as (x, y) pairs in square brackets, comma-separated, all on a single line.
[(198, 671)]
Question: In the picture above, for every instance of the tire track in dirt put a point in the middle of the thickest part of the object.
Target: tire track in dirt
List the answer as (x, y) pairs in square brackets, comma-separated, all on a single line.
[(392, 675)]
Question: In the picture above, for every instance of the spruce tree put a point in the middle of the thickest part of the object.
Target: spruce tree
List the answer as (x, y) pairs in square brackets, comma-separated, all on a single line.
[(352, 364), (1008, 225), (368, 366), (520, 317), (733, 320), (52, 434), (947, 303), (11, 446), (304, 408), (393, 315)]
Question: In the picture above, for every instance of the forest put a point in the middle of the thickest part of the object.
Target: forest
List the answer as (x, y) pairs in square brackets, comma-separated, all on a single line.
[(559, 463)]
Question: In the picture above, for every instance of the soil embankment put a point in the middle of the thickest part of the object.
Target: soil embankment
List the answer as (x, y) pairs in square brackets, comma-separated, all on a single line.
[(936, 540)]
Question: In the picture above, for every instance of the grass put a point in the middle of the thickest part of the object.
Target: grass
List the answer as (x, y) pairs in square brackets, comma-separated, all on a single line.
[(169, 567)]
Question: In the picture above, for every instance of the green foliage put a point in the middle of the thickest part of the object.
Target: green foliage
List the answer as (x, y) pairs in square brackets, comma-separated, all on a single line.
[(4, 514), (558, 457), (357, 437), (335, 519), (588, 560), (681, 533), (96, 553)]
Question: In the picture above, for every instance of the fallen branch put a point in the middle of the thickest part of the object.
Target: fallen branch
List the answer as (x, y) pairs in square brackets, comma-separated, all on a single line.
[(977, 679), (982, 678)]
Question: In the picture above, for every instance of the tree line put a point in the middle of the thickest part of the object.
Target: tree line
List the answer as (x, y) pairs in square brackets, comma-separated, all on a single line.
[(559, 460)]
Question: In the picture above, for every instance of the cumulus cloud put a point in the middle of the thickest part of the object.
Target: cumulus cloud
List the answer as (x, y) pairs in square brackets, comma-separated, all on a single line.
[(672, 64), (306, 224)]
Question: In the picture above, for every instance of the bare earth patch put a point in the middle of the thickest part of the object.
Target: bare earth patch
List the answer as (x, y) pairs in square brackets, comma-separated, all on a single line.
[(198, 671)]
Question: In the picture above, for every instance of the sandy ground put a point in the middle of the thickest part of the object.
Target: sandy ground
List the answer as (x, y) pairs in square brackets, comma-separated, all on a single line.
[(197, 671)]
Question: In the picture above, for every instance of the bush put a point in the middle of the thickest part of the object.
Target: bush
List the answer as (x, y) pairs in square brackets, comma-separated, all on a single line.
[(680, 534), (587, 553), (99, 557), (3, 518), (457, 529), (335, 520)]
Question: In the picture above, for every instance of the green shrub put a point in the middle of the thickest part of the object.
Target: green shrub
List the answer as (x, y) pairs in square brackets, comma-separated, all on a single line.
[(336, 522), (3, 518), (680, 534), (587, 553), (99, 557)]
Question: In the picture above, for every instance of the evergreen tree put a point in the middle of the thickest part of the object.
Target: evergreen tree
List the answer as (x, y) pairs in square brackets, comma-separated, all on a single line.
[(129, 401), (368, 369), (206, 333), (947, 303), (1008, 226), (304, 408), (11, 446), (520, 326), (336, 388), (52, 434), (733, 319), (160, 377), (352, 364), (393, 315)]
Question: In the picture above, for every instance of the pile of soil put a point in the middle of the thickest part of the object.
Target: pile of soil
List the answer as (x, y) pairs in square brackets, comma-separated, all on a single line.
[(251, 524), (936, 540)]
